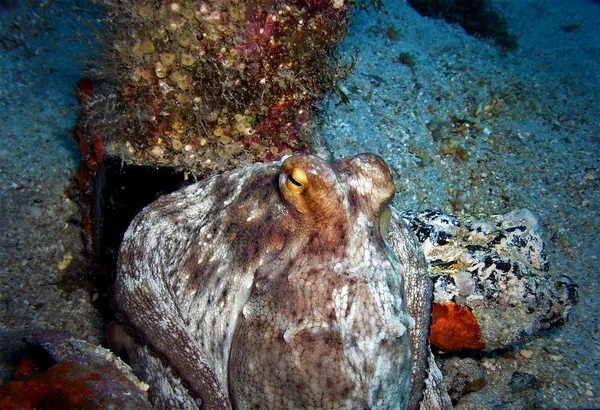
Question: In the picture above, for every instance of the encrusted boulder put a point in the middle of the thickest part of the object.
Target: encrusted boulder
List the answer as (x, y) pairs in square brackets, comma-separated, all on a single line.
[(492, 284), (57, 370)]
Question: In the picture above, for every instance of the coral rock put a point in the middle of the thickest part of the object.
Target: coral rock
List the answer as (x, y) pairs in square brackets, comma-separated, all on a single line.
[(77, 375), (233, 81), (493, 274)]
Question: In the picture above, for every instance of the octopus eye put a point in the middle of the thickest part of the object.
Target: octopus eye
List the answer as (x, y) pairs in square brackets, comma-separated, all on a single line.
[(293, 181), (297, 180)]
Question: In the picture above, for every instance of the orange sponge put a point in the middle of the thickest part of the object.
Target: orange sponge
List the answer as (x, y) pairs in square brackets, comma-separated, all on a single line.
[(454, 328)]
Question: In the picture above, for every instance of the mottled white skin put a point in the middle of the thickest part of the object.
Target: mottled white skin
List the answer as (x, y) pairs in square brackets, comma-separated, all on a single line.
[(261, 293), (435, 393)]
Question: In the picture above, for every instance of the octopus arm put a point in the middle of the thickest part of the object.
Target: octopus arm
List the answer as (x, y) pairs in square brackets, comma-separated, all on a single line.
[(142, 292), (426, 386)]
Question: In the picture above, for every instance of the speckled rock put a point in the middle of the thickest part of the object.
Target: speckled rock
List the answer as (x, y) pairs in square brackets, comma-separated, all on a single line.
[(461, 375), (492, 285), (271, 286)]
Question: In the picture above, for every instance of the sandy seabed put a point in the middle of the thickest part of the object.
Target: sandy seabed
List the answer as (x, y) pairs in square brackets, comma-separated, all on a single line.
[(538, 147)]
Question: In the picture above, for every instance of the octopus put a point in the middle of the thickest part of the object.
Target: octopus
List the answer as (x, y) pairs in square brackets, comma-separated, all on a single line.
[(283, 285)]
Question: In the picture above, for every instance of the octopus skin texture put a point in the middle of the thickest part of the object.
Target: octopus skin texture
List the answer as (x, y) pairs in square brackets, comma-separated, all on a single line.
[(279, 286)]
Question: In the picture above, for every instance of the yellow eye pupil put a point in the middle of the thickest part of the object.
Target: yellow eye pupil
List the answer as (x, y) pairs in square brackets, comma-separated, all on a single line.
[(293, 181), (293, 184), (296, 181)]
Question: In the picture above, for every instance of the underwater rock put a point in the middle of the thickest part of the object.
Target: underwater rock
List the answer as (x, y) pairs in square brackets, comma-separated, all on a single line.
[(60, 371), (492, 286), (211, 85), (461, 375), (477, 17), (281, 267), (520, 381)]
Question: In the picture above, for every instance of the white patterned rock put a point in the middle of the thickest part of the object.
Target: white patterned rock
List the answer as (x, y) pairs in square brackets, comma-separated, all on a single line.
[(492, 285)]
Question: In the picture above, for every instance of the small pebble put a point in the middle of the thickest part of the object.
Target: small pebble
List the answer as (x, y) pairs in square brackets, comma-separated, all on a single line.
[(65, 261), (489, 364), (93, 340), (35, 212), (143, 386), (527, 354), (556, 357)]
